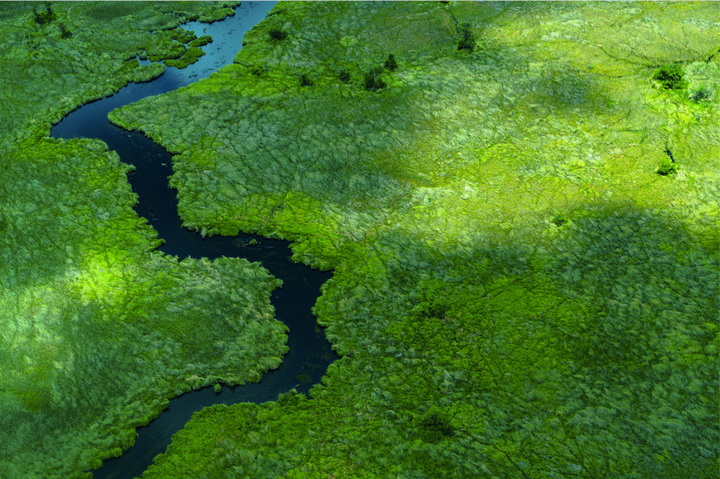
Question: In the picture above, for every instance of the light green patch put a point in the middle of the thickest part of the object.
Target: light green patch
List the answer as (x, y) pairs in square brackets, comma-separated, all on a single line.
[(503, 248)]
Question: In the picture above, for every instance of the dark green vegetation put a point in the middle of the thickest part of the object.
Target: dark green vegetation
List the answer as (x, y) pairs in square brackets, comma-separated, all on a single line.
[(467, 38), (277, 34), (666, 166), (44, 16), (702, 93), (305, 80), (344, 76), (373, 80), (670, 77), (97, 330), (390, 63), (517, 293)]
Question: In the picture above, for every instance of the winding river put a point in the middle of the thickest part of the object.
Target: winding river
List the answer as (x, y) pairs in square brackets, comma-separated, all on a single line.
[(310, 352)]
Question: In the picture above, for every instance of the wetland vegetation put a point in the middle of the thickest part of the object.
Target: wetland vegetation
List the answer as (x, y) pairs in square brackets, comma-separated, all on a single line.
[(522, 221)]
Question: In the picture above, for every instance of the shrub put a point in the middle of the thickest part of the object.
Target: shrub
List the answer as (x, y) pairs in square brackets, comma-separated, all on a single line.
[(344, 76), (670, 77), (64, 32), (666, 167), (277, 34), (45, 17), (700, 94), (372, 81), (559, 220), (305, 80), (390, 63), (434, 425), (467, 40), (290, 398)]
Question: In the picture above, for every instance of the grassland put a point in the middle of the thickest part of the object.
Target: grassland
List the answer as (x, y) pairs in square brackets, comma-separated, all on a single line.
[(519, 291), (97, 330)]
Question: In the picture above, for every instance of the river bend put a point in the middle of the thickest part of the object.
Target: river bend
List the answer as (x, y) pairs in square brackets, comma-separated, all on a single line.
[(310, 353)]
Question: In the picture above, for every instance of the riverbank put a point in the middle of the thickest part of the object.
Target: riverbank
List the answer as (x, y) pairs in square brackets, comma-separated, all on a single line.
[(510, 267)]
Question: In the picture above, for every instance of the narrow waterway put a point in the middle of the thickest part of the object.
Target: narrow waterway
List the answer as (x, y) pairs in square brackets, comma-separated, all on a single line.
[(310, 352)]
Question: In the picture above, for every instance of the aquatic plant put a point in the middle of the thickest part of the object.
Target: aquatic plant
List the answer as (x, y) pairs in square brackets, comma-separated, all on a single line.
[(200, 41), (189, 57), (74, 254), (431, 203)]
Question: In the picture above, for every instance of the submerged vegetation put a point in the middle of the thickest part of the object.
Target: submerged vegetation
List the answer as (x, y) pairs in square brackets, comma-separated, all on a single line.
[(517, 291)]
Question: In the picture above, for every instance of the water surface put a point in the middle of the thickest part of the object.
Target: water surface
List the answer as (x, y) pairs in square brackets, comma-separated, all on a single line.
[(310, 352)]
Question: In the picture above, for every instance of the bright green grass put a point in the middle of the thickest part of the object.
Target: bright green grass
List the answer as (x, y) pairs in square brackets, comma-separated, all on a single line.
[(97, 330), (483, 336)]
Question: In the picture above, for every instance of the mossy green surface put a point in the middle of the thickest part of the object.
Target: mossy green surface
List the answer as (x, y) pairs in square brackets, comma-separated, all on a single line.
[(97, 330), (517, 292)]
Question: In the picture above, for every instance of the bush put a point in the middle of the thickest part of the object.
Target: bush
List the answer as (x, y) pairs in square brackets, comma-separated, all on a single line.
[(372, 81), (700, 94), (64, 32), (305, 80), (434, 425), (344, 76), (277, 34), (43, 18), (290, 398), (467, 41), (390, 63), (559, 220), (670, 77), (666, 167)]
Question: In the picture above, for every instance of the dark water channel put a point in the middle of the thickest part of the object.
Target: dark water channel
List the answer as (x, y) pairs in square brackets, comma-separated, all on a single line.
[(310, 352)]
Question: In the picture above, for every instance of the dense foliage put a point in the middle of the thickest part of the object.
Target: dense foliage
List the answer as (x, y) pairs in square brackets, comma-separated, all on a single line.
[(97, 330), (670, 77), (517, 293)]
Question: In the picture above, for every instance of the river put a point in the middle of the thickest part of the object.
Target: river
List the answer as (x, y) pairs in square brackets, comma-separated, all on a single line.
[(310, 352)]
